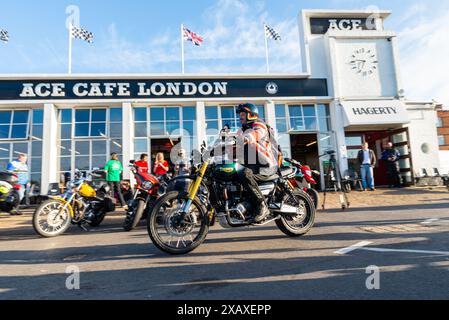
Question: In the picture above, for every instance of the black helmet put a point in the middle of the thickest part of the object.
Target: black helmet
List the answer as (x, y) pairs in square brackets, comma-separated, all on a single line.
[(250, 109)]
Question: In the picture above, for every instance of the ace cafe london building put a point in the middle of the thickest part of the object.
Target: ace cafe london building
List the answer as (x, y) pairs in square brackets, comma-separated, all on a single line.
[(350, 92)]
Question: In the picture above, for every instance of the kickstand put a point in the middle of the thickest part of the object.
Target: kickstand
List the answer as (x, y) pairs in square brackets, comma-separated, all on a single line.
[(81, 225)]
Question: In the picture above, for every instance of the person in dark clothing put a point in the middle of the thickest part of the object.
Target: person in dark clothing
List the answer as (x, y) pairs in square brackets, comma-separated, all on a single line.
[(258, 159), (367, 161), (392, 156)]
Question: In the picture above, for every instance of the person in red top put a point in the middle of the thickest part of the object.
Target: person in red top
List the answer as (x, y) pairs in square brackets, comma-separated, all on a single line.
[(142, 164), (160, 165)]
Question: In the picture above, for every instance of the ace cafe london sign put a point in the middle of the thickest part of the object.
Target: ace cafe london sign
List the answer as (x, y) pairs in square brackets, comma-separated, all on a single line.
[(95, 89), (322, 25)]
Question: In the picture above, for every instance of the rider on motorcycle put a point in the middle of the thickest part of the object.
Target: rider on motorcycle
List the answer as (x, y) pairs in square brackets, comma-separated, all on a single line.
[(254, 140)]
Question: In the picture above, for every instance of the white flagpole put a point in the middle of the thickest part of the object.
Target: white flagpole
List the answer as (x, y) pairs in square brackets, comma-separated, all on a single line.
[(182, 48), (266, 47), (70, 48)]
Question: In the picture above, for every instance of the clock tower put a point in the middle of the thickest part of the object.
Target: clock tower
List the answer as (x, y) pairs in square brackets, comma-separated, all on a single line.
[(359, 59)]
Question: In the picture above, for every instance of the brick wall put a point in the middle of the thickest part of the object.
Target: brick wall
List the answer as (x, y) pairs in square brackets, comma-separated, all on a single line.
[(444, 130)]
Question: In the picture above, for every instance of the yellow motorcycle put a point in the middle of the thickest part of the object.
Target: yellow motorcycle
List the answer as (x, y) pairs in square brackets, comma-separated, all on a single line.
[(80, 205)]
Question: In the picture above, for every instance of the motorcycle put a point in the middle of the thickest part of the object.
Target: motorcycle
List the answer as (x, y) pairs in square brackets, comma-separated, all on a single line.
[(81, 205), (179, 221), (149, 188), (305, 180), (9, 191)]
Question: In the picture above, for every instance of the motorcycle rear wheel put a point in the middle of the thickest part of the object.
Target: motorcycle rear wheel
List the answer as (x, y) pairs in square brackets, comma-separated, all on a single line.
[(166, 218), (296, 227)]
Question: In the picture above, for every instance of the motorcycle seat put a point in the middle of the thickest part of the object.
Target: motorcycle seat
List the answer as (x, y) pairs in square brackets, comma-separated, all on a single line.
[(267, 178), (287, 171)]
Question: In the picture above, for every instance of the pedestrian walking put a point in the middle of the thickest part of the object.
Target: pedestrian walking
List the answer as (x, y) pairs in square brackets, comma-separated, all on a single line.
[(392, 156), (114, 170), (367, 160)]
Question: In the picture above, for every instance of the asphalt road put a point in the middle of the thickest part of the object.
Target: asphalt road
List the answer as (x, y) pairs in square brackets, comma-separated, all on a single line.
[(410, 252)]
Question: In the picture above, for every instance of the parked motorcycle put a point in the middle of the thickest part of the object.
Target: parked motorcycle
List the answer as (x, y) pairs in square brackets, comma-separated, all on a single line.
[(81, 205), (149, 188), (9, 191), (305, 180), (179, 221)]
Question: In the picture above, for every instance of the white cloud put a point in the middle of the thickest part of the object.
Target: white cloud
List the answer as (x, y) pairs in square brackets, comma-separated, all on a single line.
[(233, 43), (424, 49)]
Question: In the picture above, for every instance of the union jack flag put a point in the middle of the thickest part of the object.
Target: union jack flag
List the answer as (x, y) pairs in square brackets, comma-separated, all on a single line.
[(192, 36)]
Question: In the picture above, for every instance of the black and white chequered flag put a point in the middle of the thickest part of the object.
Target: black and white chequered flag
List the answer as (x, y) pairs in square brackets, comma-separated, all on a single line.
[(4, 35), (272, 34), (82, 34)]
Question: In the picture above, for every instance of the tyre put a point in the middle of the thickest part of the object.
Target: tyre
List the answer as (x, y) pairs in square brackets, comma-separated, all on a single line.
[(314, 196), (174, 232), (300, 225), (133, 220), (50, 219)]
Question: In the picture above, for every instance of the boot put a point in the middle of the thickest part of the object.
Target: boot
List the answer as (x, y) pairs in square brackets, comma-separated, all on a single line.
[(262, 212)]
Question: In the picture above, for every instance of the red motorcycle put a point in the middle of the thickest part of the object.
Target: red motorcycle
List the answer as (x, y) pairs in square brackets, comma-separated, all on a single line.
[(305, 180), (148, 189)]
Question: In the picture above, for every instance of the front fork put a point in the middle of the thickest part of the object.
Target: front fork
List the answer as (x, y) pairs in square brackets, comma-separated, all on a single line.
[(193, 189)]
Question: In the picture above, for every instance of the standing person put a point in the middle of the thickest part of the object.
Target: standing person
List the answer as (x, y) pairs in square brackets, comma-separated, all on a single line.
[(142, 164), (114, 169), (20, 167), (160, 167), (182, 165), (392, 156), (367, 160)]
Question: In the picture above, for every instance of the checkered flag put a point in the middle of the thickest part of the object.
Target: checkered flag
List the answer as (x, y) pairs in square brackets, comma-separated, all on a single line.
[(270, 33), (4, 35), (79, 33)]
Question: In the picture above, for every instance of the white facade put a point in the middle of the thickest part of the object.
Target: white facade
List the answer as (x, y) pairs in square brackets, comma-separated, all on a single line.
[(364, 98)]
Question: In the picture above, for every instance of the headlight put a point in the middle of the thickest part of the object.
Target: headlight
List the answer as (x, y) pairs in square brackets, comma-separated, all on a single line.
[(147, 185), (70, 185)]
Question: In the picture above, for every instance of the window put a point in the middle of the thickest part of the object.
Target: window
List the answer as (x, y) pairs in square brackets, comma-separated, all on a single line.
[(439, 122), (90, 123), (162, 122), (307, 117), (354, 141), (441, 141), (21, 131), (87, 137), (14, 124)]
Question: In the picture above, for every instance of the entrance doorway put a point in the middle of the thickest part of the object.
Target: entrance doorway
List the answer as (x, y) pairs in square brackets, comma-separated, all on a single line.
[(165, 146), (377, 141)]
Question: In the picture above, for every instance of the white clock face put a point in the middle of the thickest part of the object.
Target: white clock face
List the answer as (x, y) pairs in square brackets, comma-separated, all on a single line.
[(364, 62)]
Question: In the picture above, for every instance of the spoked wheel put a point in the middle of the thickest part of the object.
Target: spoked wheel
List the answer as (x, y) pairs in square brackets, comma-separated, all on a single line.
[(174, 231), (51, 219), (305, 218)]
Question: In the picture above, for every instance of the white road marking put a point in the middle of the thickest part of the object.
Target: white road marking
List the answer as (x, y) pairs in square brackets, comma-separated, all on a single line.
[(443, 253), (353, 247), (430, 221)]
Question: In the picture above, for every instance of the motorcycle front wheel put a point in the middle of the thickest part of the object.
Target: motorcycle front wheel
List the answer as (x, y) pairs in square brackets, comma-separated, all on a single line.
[(174, 231), (51, 219), (304, 221), (133, 218)]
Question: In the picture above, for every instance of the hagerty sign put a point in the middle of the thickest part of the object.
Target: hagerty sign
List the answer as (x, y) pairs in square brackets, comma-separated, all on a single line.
[(151, 89)]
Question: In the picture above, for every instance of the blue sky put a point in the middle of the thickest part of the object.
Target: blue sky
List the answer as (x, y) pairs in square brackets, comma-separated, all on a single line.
[(143, 36)]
